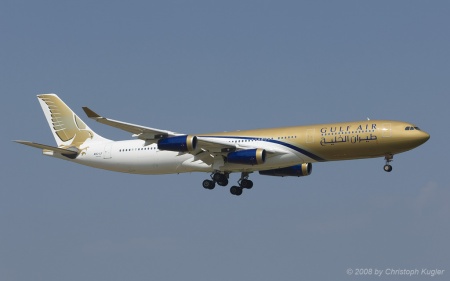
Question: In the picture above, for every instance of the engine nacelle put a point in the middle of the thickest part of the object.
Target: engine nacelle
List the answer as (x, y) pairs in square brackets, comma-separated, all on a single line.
[(247, 157), (301, 170), (178, 143)]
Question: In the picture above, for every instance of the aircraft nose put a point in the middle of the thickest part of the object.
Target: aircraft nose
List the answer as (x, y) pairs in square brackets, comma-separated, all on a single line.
[(423, 137)]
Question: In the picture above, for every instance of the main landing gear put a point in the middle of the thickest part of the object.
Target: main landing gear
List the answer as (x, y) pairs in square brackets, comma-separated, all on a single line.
[(389, 158), (222, 180), (243, 182), (219, 178)]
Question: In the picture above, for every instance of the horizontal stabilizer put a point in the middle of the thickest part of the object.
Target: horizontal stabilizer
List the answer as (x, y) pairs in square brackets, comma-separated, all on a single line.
[(66, 152)]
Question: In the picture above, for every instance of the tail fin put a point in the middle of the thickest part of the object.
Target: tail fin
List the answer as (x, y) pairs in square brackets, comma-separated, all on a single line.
[(68, 129)]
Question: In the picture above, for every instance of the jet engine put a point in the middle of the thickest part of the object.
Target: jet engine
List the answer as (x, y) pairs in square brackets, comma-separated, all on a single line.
[(301, 170), (178, 143), (247, 157)]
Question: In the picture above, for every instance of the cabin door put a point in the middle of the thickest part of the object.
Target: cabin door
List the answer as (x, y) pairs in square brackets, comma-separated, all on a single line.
[(386, 129), (107, 151), (310, 135)]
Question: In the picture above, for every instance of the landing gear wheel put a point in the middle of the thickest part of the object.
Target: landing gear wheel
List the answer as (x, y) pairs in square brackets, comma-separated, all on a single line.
[(387, 168), (248, 184), (209, 184), (389, 158), (218, 177), (236, 190), (223, 182)]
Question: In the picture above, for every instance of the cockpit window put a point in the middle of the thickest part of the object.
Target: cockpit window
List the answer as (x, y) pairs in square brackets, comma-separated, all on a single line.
[(411, 128)]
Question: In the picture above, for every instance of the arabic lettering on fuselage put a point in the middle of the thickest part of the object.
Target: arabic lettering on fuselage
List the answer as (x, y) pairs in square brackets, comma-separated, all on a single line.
[(350, 134), (350, 139)]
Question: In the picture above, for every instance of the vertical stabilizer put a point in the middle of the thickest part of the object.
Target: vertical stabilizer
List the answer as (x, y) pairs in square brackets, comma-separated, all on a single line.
[(67, 128)]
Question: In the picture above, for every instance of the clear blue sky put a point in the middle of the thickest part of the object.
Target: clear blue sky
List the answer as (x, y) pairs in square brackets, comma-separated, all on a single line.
[(205, 66)]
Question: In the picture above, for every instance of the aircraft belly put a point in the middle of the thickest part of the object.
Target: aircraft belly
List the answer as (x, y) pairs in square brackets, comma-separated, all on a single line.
[(358, 151), (138, 162), (273, 162), (161, 162), (193, 165)]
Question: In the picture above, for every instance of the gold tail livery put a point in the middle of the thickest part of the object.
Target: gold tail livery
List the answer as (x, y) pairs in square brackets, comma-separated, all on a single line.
[(286, 151)]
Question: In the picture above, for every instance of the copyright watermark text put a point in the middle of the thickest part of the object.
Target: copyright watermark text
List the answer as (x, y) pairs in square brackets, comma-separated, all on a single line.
[(431, 272)]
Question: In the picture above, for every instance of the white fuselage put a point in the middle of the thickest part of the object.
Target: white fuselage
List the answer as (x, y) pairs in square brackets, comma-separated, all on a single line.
[(139, 157)]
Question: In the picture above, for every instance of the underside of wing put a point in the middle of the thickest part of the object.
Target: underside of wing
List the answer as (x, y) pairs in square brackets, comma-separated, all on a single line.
[(219, 151), (141, 132)]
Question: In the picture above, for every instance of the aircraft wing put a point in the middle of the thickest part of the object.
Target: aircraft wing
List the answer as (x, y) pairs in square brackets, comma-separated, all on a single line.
[(141, 132), (211, 144), (214, 145), (218, 145)]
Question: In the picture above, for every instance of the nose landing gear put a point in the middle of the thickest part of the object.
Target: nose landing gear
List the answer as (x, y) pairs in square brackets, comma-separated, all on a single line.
[(389, 158)]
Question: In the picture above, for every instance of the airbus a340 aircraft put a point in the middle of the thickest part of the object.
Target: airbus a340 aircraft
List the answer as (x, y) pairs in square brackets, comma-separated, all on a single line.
[(287, 151)]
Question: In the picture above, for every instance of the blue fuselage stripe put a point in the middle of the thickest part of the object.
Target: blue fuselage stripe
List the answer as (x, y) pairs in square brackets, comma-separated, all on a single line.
[(293, 147), (298, 149)]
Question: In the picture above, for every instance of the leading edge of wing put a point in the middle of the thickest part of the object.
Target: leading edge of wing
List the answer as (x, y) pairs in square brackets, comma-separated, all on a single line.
[(141, 132), (222, 144), (214, 144)]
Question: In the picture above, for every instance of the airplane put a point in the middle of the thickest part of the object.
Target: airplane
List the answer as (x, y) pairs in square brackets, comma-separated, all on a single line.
[(286, 151)]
